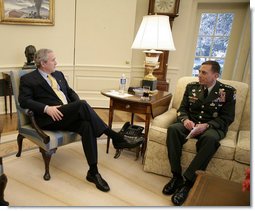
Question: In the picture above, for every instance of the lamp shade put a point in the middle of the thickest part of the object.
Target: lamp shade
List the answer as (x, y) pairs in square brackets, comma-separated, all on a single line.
[(154, 33)]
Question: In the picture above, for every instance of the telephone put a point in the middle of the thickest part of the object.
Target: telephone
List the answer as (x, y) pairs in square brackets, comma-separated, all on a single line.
[(131, 130)]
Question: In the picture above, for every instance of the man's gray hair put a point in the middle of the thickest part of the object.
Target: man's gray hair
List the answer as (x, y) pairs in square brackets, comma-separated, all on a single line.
[(42, 56)]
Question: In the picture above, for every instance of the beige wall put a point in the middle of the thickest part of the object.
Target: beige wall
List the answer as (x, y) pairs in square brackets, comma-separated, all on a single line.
[(92, 41), (14, 38)]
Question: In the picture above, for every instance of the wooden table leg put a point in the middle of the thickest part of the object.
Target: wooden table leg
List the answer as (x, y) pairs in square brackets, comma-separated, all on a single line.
[(132, 118), (138, 149), (10, 96), (5, 96), (111, 111), (147, 125), (7, 91)]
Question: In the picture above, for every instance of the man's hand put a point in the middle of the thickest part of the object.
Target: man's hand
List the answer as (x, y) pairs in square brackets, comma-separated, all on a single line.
[(188, 124), (55, 114), (200, 128)]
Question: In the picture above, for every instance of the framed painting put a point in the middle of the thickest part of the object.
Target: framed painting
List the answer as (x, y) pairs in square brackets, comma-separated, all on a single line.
[(29, 12)]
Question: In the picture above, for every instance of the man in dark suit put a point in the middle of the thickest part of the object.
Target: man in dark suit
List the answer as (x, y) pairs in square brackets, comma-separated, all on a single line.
[(57, 107), (207, 109)]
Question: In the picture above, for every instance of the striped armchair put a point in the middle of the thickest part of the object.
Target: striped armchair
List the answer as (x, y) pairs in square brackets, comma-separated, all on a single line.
[(47, 141)]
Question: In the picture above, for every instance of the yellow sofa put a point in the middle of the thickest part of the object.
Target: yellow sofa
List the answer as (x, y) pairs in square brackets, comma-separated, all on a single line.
[(224, 163)]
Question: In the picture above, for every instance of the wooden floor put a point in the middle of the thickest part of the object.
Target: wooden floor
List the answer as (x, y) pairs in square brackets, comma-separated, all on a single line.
[(10, 124), (130, 185)]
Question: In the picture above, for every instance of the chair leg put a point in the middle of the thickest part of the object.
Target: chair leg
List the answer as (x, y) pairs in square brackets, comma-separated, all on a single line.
[(19, 141), (3, 182), (47, 157)]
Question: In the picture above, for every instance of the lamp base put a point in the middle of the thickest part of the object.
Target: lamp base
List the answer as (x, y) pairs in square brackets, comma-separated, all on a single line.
[(151, 84)]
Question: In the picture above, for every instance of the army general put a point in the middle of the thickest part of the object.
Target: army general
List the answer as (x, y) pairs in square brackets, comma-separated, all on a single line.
[(207, 109)]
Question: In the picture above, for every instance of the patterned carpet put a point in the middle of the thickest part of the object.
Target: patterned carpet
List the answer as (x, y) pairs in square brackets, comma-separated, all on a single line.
[(130, 185)]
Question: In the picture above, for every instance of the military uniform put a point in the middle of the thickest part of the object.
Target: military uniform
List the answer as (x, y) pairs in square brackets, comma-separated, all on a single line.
[(217, 110)]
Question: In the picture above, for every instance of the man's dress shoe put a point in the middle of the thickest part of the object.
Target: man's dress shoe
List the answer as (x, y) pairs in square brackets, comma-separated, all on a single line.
[(181, 195), (100, 183), (4, 203), (3, 182), (172, 185), (128, 142)]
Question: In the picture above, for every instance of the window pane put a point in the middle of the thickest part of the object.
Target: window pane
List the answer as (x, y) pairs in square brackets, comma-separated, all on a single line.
[(224, 24), (197, 64), (219, 48), (207, 24), (213, 38), (221, 63), (203, 46)]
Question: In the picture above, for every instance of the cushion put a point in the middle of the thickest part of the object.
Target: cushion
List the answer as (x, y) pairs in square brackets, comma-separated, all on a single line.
[(165, 119), (242, 153), (57, 138), (225, 151)]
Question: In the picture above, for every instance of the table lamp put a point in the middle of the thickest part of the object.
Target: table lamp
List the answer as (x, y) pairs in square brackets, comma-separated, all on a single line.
[(153, 35)]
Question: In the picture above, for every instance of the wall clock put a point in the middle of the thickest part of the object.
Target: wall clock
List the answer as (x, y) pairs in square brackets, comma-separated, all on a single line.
[(164, 7), (171, 9)]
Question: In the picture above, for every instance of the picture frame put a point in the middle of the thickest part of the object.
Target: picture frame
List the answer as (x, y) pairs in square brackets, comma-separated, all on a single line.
[(27, 12)]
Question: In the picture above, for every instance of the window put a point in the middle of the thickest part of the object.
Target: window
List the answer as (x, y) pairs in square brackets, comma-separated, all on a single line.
[(213, 39)]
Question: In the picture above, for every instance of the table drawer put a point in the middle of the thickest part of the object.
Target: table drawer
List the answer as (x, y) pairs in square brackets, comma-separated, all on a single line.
[(132, 107)]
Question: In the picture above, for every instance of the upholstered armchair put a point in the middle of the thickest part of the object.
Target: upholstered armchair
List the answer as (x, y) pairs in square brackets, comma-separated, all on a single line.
[(47, 141), (242, 154), (222, 163)]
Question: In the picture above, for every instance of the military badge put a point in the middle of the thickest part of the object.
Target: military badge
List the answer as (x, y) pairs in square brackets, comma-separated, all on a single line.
[(215, 114), (222, 95), (192, 99), (234, 96)]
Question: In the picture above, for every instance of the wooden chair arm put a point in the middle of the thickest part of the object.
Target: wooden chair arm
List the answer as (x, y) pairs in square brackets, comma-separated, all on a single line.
[(44, 136)]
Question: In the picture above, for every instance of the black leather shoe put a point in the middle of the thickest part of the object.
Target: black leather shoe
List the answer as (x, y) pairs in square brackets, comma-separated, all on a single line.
[(3, 182), (172, 185), (100, 183), (4, 203), (180, 195), (127, 142)]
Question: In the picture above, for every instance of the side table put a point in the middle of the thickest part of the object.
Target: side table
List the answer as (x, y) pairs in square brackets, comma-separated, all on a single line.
[(210, 190), (158, 104), (7, 91)]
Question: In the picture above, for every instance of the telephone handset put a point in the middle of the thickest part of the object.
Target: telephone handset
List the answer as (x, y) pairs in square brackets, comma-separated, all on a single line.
[(131, 130)]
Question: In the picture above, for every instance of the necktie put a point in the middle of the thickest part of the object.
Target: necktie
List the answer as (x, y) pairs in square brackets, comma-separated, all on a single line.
[(54, 86), (205, 93)]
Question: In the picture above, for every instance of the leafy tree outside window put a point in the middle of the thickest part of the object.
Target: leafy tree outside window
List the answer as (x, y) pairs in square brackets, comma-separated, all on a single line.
[(213, 37)]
